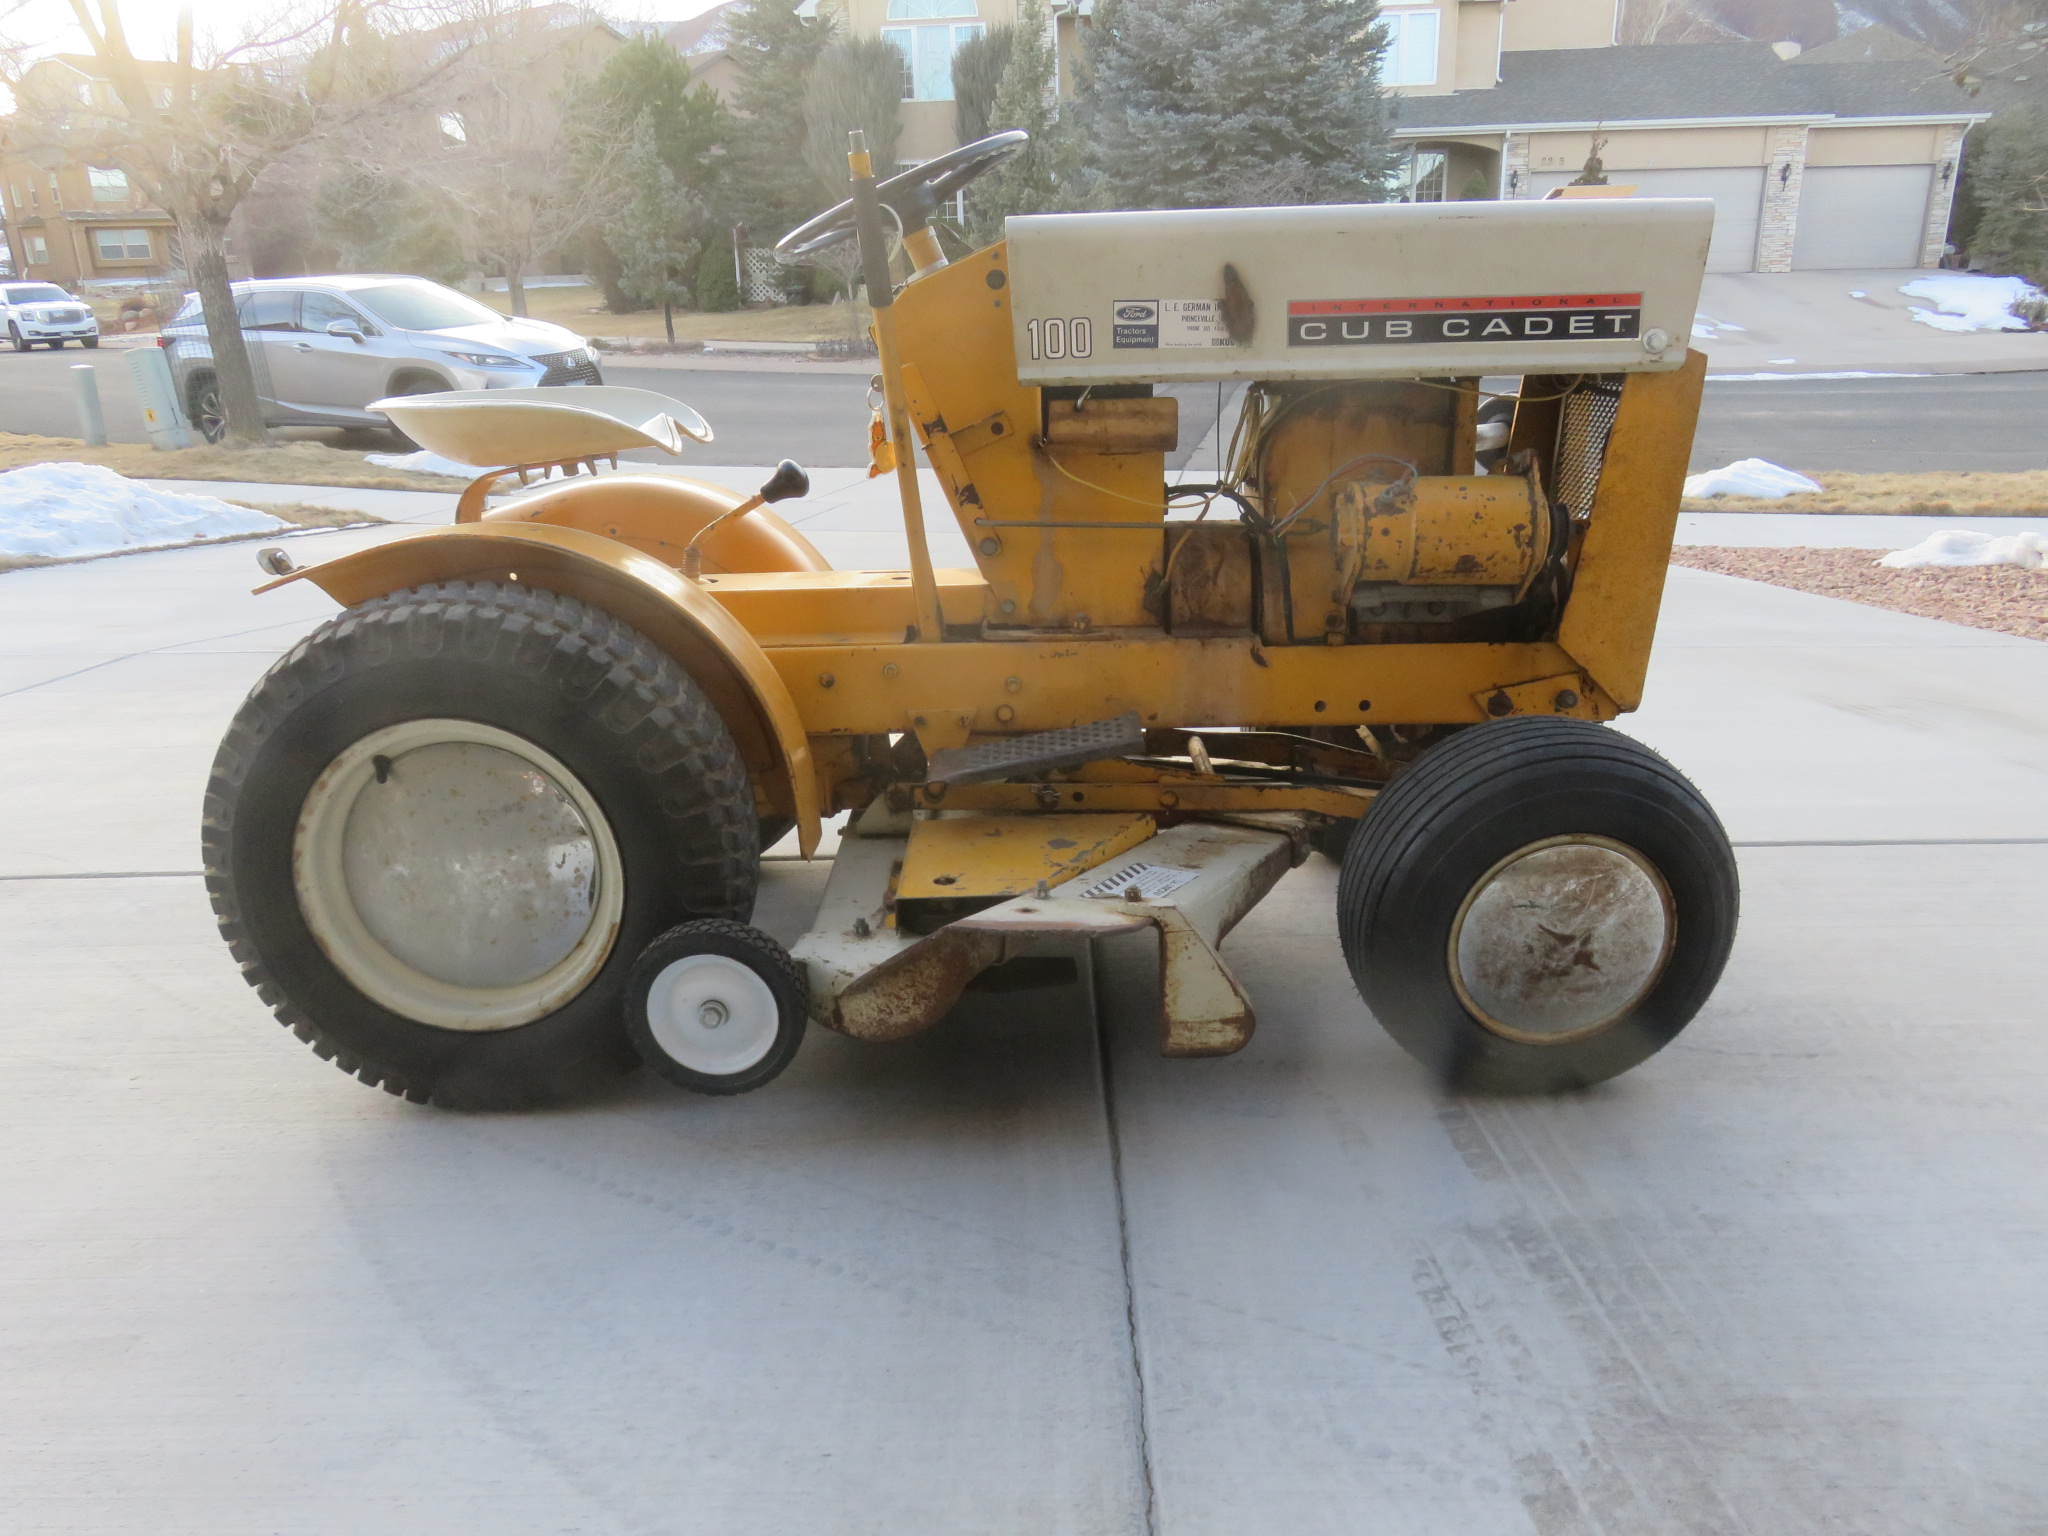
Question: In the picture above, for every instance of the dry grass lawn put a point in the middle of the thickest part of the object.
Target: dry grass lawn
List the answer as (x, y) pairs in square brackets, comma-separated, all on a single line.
[(1957, 493), (279, 464), (582, 310)]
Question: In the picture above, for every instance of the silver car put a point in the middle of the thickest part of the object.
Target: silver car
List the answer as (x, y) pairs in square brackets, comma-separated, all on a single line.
[(43, 312), (324, 347)]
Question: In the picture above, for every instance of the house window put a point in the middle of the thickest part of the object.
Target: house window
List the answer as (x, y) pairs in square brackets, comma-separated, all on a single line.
[(121, 244), (928, 53), (108, 186), (56, 198), (1423, 177), (1410, 58), (929, 10), (38, 251)]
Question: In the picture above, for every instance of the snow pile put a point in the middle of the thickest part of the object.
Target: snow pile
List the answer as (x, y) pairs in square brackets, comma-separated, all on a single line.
[(1960, 546), (64, 511), (425, 463), (1969, 301), (1750, 477)]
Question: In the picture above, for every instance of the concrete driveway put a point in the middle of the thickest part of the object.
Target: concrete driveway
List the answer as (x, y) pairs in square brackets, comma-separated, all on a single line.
[(1016, 1276)]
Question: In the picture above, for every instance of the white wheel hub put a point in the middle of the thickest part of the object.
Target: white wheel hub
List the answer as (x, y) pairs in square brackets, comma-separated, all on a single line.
[(1561, 938), (712, 1014), (458, 874)]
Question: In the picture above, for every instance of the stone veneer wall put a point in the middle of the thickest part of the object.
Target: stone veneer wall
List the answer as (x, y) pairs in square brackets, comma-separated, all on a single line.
[(1784, 176), (1514, 166), (1941, 197)]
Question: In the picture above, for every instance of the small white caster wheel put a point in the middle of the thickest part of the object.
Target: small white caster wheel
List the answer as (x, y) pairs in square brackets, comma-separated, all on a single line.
[(716, 1007)]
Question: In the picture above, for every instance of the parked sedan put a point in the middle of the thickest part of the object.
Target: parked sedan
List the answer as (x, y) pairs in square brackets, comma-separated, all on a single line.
[(324, 348), (45, 313)]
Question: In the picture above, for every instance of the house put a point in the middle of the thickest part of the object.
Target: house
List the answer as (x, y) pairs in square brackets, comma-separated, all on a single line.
[(1840, 156), (72, 223), (929, 33)]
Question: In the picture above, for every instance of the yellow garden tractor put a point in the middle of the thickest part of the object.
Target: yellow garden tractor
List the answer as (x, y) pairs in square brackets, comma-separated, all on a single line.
[(490, 836)]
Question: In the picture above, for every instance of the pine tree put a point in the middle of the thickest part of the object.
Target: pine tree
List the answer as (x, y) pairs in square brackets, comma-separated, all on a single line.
[(978, 67), (2009, 185), (1235, 103), (1037, 178), (659, 228), (773, 50)]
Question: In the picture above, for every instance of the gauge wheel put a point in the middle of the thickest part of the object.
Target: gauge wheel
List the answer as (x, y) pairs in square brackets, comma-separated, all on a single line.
[(444, 826), (716, 1007), (203, 405), (1537, 905), (20, 342)]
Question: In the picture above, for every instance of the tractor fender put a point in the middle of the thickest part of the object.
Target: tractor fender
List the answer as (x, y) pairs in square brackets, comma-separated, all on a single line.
[(672, 611), (660, 514)]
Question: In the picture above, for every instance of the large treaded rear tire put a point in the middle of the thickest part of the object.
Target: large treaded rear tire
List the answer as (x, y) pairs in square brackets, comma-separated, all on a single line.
[(1437, 833), (552, 670)]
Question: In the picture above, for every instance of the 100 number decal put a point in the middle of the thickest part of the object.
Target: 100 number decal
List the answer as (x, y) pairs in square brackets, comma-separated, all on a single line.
[(1054, 339)]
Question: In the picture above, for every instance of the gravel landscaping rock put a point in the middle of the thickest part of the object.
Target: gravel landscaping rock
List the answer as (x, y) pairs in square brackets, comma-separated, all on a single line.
[(2001, 597)]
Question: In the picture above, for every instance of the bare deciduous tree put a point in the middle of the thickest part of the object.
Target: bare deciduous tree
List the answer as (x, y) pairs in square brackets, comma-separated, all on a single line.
[(196, 132)]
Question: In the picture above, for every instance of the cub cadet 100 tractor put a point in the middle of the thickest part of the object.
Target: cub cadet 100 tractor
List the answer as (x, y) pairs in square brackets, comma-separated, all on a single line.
[(490, 836)]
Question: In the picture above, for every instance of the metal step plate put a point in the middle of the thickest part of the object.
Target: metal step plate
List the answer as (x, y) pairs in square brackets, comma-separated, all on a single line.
[(1013, 756)]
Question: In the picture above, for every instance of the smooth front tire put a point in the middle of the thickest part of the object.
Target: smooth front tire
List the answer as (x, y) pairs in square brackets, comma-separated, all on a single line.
[(442, 828), (1537, 905), (716, 1007)]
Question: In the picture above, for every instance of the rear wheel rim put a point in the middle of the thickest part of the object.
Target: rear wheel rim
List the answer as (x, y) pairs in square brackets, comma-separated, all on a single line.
[(458, 875), (1561, 939), (713, 1015), (208, 416)]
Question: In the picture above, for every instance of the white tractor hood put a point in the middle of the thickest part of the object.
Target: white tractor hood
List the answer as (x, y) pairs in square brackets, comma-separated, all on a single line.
[(1391, 290)]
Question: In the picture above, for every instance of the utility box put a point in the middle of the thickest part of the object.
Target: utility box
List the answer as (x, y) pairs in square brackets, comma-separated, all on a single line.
[(1393, 290), (163, 414)]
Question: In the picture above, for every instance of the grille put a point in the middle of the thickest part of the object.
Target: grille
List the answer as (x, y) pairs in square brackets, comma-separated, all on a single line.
[(1582, 442), (569, 368)]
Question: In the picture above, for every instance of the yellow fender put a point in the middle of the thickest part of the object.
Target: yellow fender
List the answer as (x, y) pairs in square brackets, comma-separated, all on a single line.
[(672, 611), (659, 515)]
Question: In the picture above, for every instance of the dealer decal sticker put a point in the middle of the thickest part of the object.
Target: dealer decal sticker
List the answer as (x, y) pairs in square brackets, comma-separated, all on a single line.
[(1167, 323), (1409, 322)]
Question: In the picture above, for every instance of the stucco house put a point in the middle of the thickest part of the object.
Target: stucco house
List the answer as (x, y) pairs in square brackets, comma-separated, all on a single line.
[(1840, 156)]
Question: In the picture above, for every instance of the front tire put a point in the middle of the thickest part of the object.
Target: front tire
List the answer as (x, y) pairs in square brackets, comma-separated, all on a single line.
[(1537, 905), (443, 826), (90, 343), (19, 342)]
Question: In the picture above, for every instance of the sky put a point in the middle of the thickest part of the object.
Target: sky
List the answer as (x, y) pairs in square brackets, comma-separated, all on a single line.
[(46, 25)]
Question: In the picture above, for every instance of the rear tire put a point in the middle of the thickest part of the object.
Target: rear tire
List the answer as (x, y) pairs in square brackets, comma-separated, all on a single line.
[(1537, 905), (203, 406), (333, 893)]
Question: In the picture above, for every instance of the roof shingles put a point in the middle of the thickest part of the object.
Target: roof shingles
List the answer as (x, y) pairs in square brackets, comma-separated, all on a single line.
[(1685, 83)]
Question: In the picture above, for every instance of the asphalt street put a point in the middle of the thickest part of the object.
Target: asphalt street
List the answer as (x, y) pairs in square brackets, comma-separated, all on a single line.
[(1984, 421), (1021, 1274)]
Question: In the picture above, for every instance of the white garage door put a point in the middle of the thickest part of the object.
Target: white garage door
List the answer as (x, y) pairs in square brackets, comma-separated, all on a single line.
[(1861, 216), (1737, 191)]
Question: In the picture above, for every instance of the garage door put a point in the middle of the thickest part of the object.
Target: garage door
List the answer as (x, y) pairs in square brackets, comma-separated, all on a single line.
[(1861, 216), (1737, 191)]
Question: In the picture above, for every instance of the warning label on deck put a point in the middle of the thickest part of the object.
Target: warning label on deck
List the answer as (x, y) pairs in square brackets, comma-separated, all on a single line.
[(1411, 322)]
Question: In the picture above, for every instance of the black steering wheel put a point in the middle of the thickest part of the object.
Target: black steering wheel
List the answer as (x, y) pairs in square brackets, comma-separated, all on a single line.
[(913, 196)]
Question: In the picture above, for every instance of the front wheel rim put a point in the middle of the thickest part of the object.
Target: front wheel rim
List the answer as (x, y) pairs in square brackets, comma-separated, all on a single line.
[(458, 875), (1561, 939), (713, 1015)]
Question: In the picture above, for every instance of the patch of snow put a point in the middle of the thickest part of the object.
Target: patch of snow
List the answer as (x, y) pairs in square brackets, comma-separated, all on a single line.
[(1704, 328), (1750, 378), (1750, 477), (64, 511), (1960, 546), (1780, 361), (425, 463), (1858, 293), (1970, 301)]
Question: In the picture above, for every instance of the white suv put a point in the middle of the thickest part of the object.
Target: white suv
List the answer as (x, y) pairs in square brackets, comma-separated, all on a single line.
[(34, 312)]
